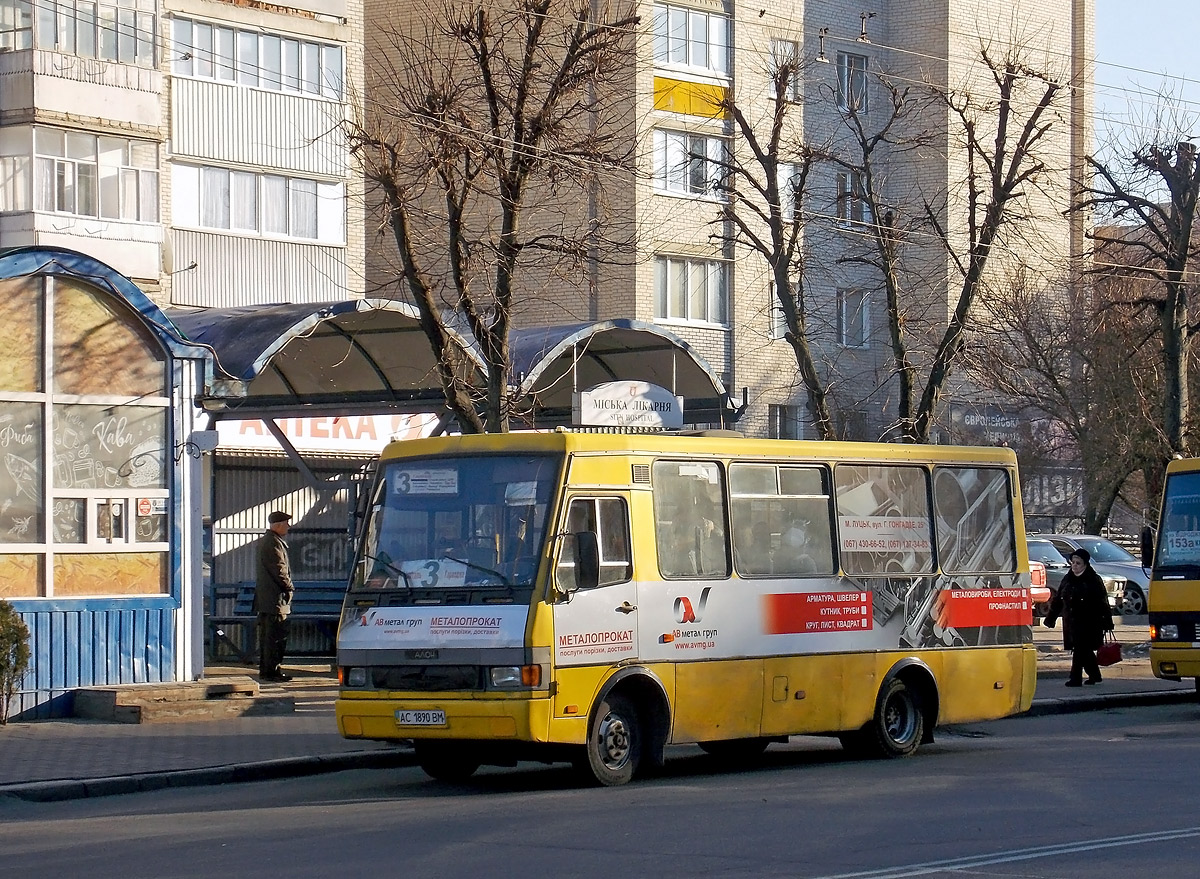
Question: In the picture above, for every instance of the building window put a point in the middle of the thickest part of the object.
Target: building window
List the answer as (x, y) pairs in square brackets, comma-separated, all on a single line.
[(691, 290), (90, 175), (852, 83), (119, 30), (690, 164), (852, 204), (16, 168), (786, 53), (777, 326), (789, 183), (785, 422), (16, 25), (259, 204), (854, 324), (691, 38), (257, 60)]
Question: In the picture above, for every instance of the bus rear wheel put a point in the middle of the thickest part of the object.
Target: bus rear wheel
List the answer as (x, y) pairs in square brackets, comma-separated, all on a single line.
[(445, 762), (614, 745), (898, 725), (896, 729)]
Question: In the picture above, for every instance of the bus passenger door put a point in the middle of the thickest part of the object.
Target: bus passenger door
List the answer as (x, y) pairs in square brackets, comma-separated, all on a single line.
[(595, 624)]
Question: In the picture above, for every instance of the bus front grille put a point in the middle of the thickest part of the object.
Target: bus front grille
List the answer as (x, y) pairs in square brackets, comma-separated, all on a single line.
[(426, 678)]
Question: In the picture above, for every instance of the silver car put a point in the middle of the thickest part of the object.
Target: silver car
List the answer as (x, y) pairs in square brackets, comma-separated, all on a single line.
[(1110, 560), (1042, 550)]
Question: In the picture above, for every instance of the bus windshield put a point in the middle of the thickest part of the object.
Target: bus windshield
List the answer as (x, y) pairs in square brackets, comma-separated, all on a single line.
[(439, 524), (1179, 539)]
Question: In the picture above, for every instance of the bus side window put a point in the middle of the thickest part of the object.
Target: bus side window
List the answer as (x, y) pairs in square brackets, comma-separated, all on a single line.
[(974, 520), (781, 520), (884, 520), (689, 519), (608, 518)]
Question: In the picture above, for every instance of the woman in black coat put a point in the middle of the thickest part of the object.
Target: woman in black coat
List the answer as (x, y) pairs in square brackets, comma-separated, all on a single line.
[(1082, 602)]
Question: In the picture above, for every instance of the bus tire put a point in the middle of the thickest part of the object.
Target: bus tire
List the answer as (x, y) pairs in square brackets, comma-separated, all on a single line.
[(444, 762), (898, 726), (614, 745), (735, 751)]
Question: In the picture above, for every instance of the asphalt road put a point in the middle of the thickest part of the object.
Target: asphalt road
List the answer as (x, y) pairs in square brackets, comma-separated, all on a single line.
[(1101, 794)]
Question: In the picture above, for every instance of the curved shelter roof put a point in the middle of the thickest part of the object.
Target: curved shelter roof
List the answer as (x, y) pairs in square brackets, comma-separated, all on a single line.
[(370, 355), (550, 363), (42, 260), (360, 355)]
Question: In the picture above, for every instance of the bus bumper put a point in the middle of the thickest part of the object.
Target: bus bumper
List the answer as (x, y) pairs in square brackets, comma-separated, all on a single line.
[(438, 718), (1174, 663)]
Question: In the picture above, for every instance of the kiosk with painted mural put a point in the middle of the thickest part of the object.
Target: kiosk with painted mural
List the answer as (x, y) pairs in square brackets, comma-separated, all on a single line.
[(93, 408)]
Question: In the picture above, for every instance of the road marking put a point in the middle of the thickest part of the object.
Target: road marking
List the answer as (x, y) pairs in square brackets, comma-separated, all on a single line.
[(954, 865)]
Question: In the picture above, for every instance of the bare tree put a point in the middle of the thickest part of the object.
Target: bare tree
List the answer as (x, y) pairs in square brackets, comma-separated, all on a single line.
[(1151, 197), (1076, 359), (869, 152), (483, 131), (1001, 129), (765, 210), (1001, 135)]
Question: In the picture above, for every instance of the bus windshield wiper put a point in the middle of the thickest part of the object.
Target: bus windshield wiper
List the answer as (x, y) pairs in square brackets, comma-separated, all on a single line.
[(482, 568), (387, 567)]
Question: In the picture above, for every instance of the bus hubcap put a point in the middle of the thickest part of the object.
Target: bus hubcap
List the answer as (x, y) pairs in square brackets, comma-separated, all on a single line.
[(898, 720), (614, 741)]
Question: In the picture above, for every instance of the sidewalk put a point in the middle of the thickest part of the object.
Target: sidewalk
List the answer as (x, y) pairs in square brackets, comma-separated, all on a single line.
[(70, 759), (1130, 682)]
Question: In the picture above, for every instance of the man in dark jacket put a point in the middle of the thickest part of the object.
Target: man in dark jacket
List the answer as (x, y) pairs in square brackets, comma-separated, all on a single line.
[(273, 597), (1082, 602)]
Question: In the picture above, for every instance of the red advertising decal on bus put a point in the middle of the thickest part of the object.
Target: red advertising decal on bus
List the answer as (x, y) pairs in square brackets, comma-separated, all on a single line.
[(972, 608), (811, 612)]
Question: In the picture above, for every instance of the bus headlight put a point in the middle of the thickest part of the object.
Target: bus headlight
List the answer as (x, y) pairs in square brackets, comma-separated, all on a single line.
[(1168, 632), (512, 676), (356, 677)]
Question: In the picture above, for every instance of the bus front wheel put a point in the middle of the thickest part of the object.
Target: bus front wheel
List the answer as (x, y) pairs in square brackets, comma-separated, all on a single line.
[(445, 762), (614, 746)]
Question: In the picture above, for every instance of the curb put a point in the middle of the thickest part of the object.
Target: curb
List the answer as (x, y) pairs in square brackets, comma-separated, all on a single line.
[(298, 767), (1099, 702), (264, 770)]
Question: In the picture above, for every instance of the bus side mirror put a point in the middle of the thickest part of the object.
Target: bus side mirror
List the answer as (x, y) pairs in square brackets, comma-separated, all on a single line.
[(1147, 546), (587, 560)]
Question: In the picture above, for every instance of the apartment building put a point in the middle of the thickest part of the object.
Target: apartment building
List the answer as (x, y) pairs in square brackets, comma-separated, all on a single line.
[(688, 274), (840, 48), (194, 146)]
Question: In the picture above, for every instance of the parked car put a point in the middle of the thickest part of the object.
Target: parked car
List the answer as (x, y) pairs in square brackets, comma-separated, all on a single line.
[(1039, 592), (1110, 560), (1043, 550)]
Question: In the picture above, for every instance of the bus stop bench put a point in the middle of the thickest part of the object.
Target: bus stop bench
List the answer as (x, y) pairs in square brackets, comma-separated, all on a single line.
[(316, 610)]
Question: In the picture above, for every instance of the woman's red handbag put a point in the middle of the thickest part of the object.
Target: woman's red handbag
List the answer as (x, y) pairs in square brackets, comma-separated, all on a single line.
[(1110, 651)]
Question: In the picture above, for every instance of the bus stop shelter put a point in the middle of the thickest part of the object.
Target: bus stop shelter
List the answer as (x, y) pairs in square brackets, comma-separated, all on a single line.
[(123, 506), (334, 363)]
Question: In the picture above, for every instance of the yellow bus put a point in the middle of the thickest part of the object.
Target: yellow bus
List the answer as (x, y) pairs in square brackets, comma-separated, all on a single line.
[(1174, 599), (595, 597)]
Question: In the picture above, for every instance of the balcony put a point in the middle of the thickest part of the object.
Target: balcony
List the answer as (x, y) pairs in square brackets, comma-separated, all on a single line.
[(39, 85)]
